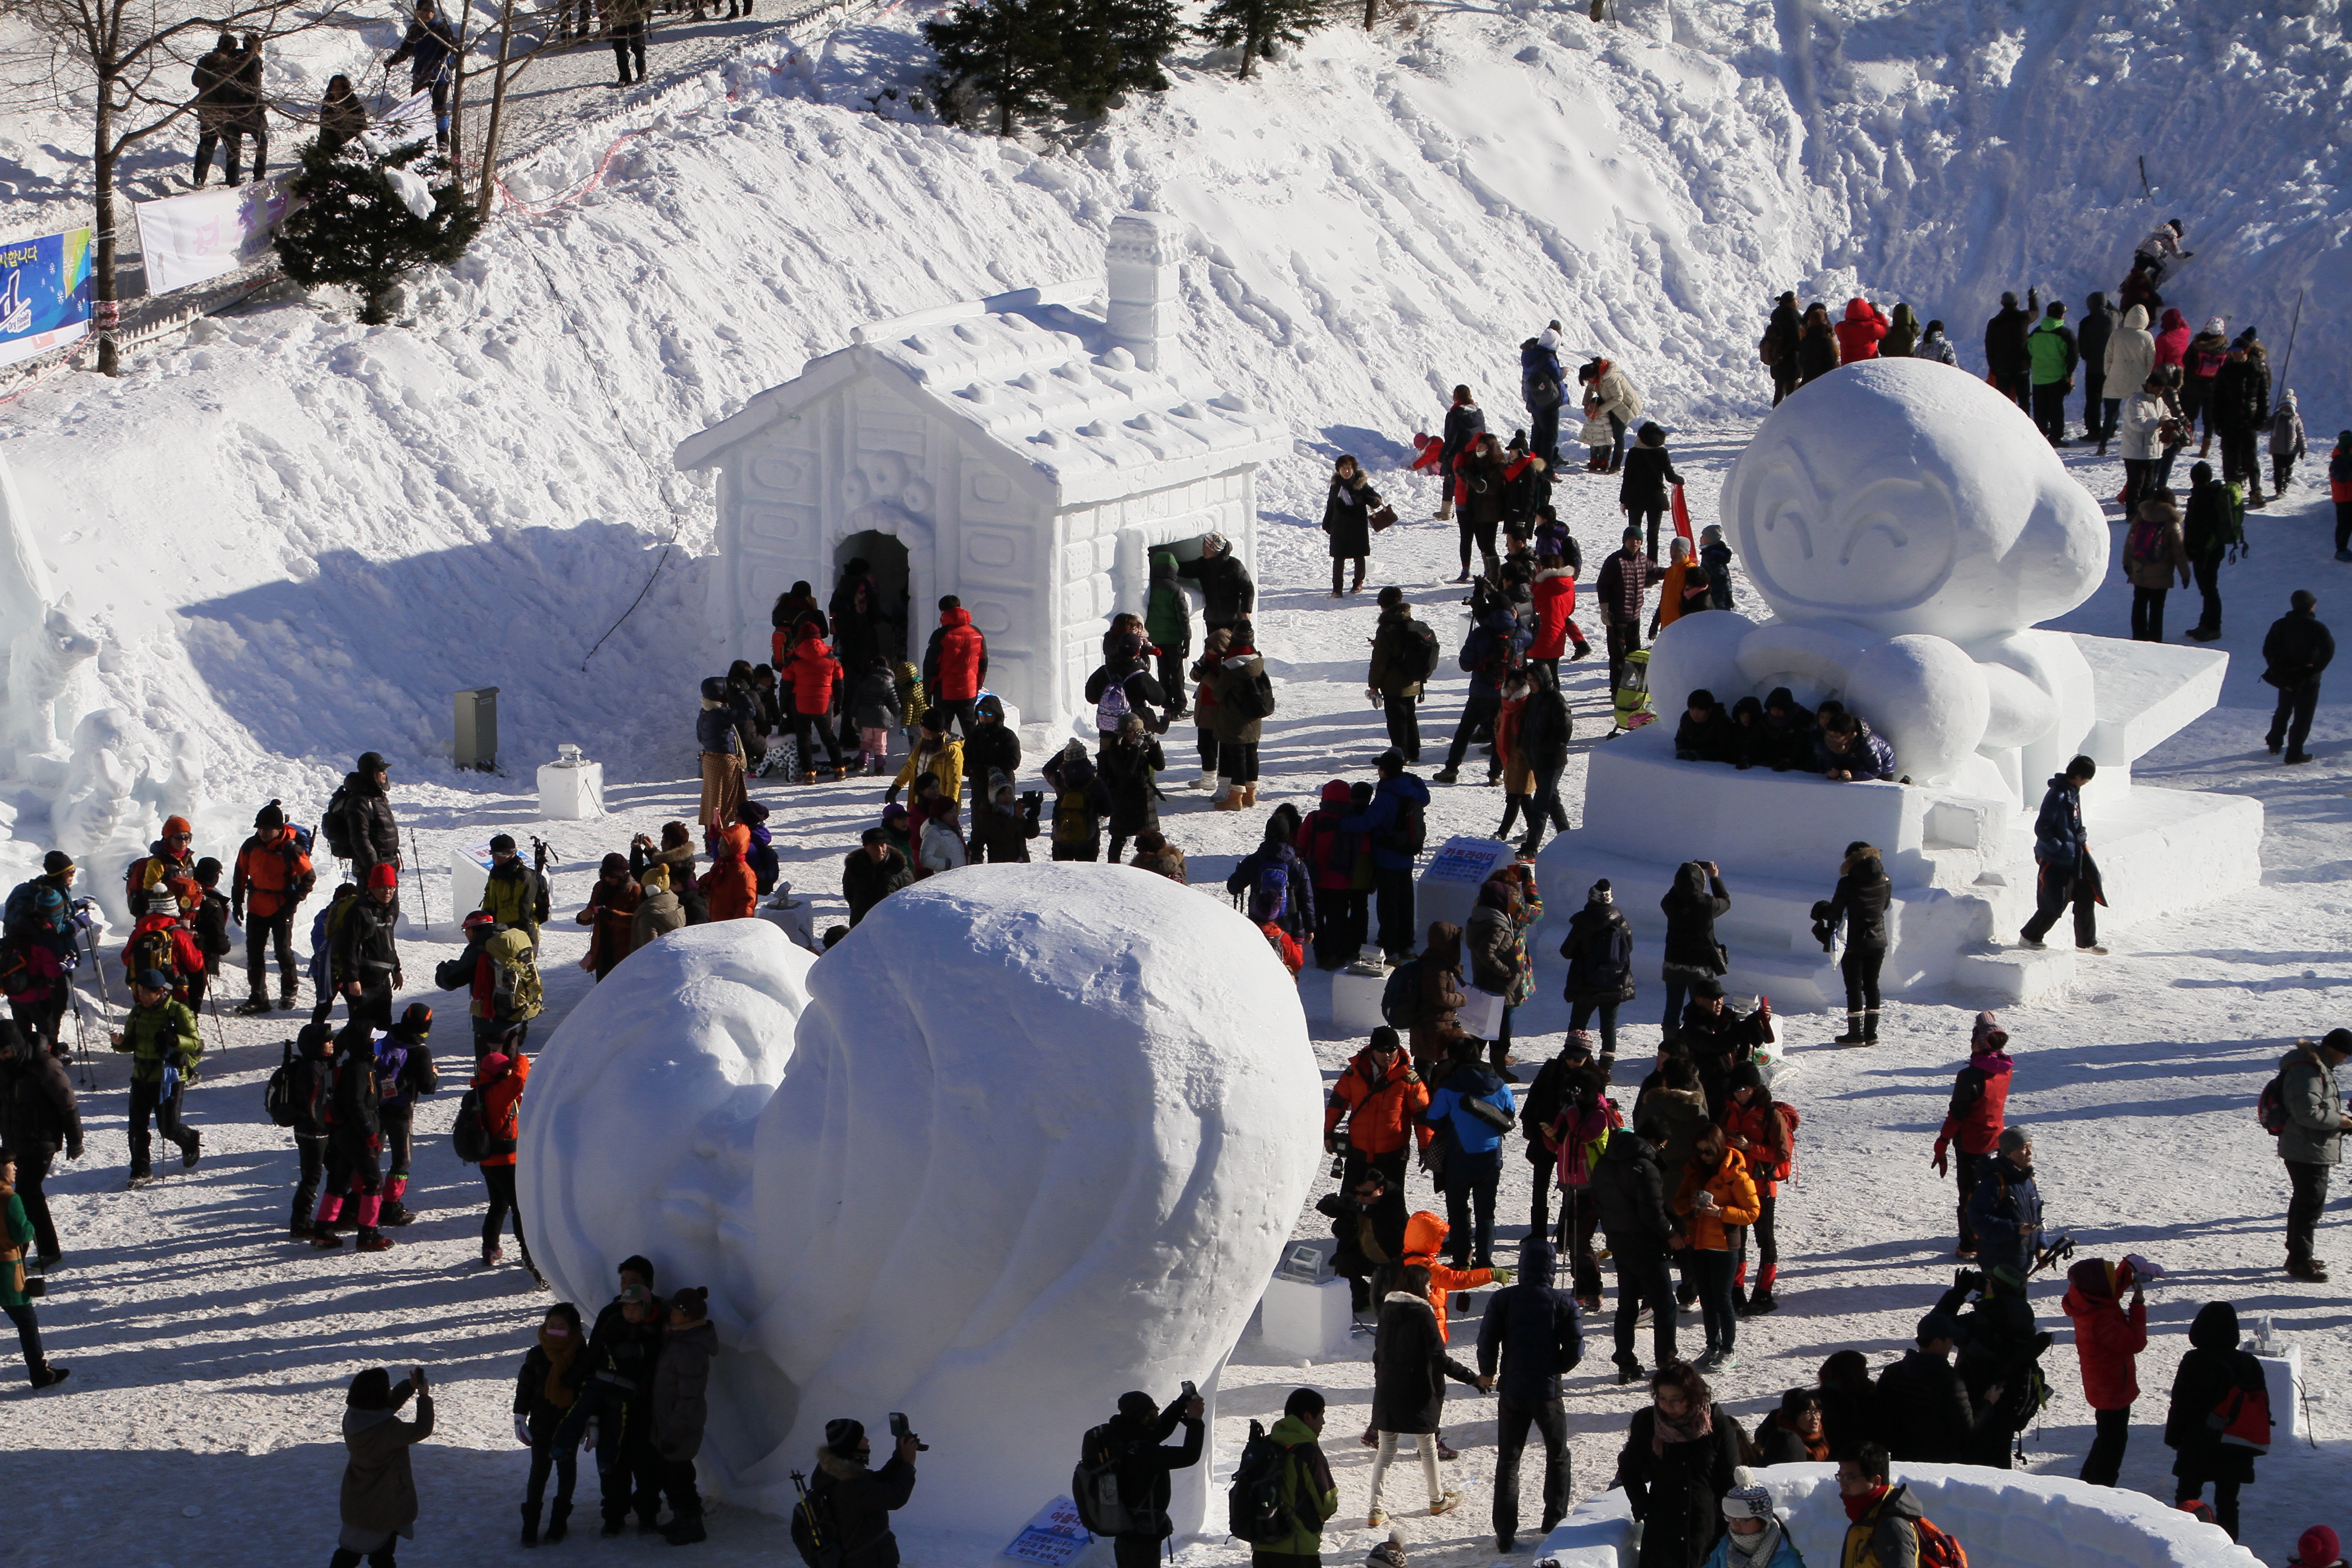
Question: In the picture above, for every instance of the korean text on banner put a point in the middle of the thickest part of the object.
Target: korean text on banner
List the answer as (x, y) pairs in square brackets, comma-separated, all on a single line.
[(44, 293), (187, 239)]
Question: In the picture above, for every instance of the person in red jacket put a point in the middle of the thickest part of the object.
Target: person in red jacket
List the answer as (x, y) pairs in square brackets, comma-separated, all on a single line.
[(814, 673), (1859, 333), (1382, 1099), (1555, 628), (1979, 1109), (273, 876), (955, 665), (498, 1080), (2106, 1339), (1342, 907)]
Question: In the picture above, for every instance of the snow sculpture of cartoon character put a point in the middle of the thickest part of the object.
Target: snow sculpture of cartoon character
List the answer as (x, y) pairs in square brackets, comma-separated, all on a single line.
[(1909, 528), (1033, 1136)]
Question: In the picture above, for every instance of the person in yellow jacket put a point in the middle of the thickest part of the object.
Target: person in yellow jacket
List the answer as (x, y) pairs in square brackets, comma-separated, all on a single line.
[(161, 1035), (507, 993), (934, 755), (1884, 1531), (514, 894), (1719, 1196)]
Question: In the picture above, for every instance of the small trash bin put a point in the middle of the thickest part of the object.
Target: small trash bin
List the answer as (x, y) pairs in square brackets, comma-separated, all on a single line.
[(477, 743)]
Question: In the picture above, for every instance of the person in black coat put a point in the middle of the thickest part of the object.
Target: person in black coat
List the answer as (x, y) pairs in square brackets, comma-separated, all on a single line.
[(1368, 1221), (1859, 904), (1546, 729), (1817, 346), (2210, 1376), (354, 1147), (2296, 652), (1926, 1415), (40, 1119), (1676, 1465), (1691, 954), (546, 1388), (371, 835), (1704, 734), (1533, 1327), (1849, 1403), (1781, 333), (1129, 765), (1227, 593), (1630, 1190), (1718, 1039), (1789, 733), (314, 1078), (1645, 492), (1347, 520), (1598, 948), (1410, 1366), (1132, 1440), (862, 1498)]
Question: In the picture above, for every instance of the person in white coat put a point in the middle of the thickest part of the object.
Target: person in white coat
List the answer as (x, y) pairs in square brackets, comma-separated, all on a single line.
[(942, 847), (1608, 396), (2144, 415)]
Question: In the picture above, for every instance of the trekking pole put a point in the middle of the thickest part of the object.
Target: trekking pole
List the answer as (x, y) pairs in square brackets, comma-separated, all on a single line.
[(104, 1012), (220, 1030), (2146, 194), (81, 1039), (2290, 335), (416, 864)]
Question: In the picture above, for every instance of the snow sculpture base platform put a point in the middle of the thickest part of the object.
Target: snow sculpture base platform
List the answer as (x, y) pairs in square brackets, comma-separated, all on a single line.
[(469, 878), (2006, 1519), (1963, 868), (1448, 888), (2282, 1381), (1355, 1001), (1308, 1322), (570, 792)]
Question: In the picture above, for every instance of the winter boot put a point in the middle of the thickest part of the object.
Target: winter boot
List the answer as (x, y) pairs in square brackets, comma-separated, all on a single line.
[(371, 1240), (394, 1210), (255, 1007), (286, 999), (1740, 1288), (529, 1525), (1870, 1026), (558, 1522), (1512, 805), (1853, 1035), (1249, 793), (1206, 780), (685, 1529), (1762, 1300), (52, 1375)]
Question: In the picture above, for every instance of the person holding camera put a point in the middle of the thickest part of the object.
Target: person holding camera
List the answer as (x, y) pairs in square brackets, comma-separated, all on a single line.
[(1131, 1443), (379, 1494), (854, 1500)]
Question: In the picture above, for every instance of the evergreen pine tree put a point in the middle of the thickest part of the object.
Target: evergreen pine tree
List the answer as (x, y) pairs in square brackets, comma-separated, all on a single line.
[(351, 227), (1009, 50), (1258, 24), (1112, 47)]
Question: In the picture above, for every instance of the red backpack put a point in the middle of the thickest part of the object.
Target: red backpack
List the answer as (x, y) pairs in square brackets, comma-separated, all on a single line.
[(2244, 1416), (1786, 1170), (1937, 1549)]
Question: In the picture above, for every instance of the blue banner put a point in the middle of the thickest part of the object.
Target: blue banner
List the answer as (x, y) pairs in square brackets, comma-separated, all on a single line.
[(44, 293)]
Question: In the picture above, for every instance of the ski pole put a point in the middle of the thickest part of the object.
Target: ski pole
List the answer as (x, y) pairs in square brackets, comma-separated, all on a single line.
[(417, 864), (2290, 335), (81, 1039), (220, 1030)]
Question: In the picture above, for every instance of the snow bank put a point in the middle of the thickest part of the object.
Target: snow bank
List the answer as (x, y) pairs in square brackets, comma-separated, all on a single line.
[(1042, 1135)]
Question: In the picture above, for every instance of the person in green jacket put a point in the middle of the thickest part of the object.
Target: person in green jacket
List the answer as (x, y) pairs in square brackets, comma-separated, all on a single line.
[(511, 894), (2051, 356), (1168, 622), (1308, 1488), (1903, 336), (13, 1298), (160, 1037)]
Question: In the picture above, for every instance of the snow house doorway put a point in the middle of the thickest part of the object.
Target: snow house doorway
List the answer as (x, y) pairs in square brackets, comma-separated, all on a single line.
[(886, 555)]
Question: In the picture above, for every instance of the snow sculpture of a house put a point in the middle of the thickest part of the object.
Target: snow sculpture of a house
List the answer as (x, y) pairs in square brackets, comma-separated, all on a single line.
[(1018, 454)]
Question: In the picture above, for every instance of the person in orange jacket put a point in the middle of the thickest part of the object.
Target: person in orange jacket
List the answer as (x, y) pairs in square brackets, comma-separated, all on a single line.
[(2107, 1336), (1382, 1099), (1718, 1196), (498, 1081), (730, 886), (273, 876)]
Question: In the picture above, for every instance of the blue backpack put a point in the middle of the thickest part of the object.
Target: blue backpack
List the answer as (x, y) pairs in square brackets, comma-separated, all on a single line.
[(765, 867), (1270, 898)]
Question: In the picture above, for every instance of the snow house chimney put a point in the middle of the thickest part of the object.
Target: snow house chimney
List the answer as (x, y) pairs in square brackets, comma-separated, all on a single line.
[(1140, 268)]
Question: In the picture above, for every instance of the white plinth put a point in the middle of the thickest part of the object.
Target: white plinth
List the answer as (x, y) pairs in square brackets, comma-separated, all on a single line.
[(2282, 1380), (798, 923), (470, 879), (572, 793), (1355, 1001), (1448, 889), (1309, 1321)]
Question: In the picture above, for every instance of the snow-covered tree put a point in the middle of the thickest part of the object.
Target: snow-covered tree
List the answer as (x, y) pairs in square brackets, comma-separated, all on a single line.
[(1258, 24), (1009, 51), (365, 219), (1113, 46)]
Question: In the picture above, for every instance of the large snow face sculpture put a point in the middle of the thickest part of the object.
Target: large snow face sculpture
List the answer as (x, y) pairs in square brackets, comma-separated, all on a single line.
[(1909, 526), (1031, 1137)]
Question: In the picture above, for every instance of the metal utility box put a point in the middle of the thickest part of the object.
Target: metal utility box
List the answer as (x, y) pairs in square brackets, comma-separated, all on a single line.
[(477, 730)]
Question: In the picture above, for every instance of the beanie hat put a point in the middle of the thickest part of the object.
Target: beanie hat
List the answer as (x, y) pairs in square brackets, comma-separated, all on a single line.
[(502, 844), (752, 812), (371, 763), (491, 1067), (1938, 1326), (1385, 1039), (1746, 1076), (1598, 893), (1706, 987), (2214, 325), (2336, 1040), (383, 874), (1746, 1500), (55, 861), (1578, 1043), (155, 979), (1137, 1405), (2012, 1139), (841, 1435), (162, 900), (416, 1021), (270, 817), (177, 825), (2317, 1547)]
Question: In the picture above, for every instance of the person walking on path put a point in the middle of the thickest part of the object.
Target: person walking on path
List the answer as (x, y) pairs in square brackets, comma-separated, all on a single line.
[(1977, 1117), (2215, 1377), (2296, 653), (1309, 1495), (16, 1235), (40, 1117), (1533, 1327), (379, 1492), (1404, 656), (164, 1046), (1347, 521), (1859, 903), (2108, 1337), (1681, 1450), (2062, 850), (1645, 492), (499, 1079), (1410, 1366), (430, 48), (2311, 1143)]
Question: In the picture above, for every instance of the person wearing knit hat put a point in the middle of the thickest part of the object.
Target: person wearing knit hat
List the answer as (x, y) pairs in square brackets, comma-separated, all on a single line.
[(861, 1498), (2318, 1548), (1600, 953), (611, 915), (160, 1037), (405, 1072), (367, 955), (1753, 1537), (167, 859), (1974, 1120), (49, 931), (273, 876), (1134, 1442)]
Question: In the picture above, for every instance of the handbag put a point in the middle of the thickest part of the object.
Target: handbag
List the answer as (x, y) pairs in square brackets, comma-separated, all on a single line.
[(1384, 519), (1481, 1013)]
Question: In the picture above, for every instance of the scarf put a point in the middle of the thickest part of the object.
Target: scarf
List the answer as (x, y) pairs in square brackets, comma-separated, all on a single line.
[(1759, 1548), (561, 1354), (1698, 1423), (1855, 1507)]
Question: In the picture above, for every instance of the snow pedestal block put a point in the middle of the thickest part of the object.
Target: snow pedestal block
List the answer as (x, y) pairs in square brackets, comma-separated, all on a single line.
[(1065, 1162), (469, 878), (1355, 1001), (1448, 889), (1308, 1322), (797, 921), (2010, 1519), (2282, 1381), (571, 788)]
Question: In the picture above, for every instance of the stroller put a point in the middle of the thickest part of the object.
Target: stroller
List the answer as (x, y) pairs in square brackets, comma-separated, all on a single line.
[(1632, 701)]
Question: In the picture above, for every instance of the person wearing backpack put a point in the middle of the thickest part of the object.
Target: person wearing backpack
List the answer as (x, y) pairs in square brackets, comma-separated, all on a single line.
[(272, 877), (1243, 701), (325, 983), (367, 952), (1762, 1131), (1532, 1328), (1886, 1529), (513, 894), (1629, 1193), (2154, 554), (353, 1194), (1404, 656), (164, 1046), (506, 993), (40, 1117), (1925, 1411), (2107, 1340), (41, 924), (2216, 1386), (1129, 1446), (1478, 1107), (403, 1069), (499, 1079), (2296, 653), (1977, 1115), (1489, 654), (1304, 1496), (311, 1078), (1081, 801), (2310, 1141), (2212, 529), (359, 823), (854, 1500), (1395, 825)]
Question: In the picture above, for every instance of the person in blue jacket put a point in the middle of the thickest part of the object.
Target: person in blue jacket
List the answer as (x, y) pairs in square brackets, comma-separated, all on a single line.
[(2062, 851), (1473, 1166), (1533, 1328), (2006, 1212), (1753, 1535), (1395, 824), (1496, 647)]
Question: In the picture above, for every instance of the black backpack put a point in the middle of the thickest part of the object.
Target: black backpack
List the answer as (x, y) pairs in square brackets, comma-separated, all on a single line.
[(1401, 997), (1094, 1487), (1410, 831), (1418, 657), (817, 1529), (1253, 699), (337, 823), (278, 1096), (1254, 1511), (1607, 954), (470, 1139)]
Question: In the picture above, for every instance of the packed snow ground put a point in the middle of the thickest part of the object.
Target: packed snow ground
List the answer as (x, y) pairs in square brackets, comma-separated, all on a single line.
[(299, 536)]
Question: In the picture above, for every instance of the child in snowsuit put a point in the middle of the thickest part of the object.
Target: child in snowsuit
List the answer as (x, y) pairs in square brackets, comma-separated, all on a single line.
[(874, 708)]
